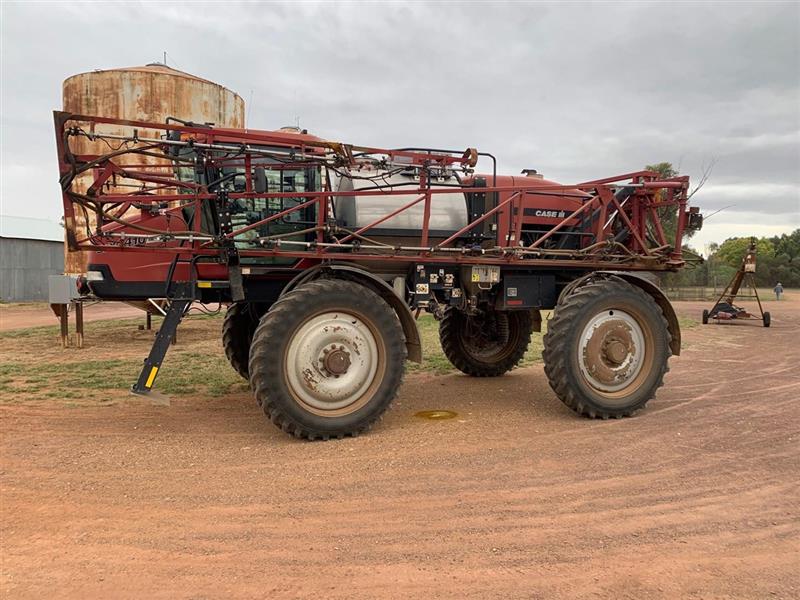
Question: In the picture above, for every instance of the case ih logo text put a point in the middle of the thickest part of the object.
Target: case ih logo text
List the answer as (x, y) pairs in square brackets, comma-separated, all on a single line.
[(556, 214)]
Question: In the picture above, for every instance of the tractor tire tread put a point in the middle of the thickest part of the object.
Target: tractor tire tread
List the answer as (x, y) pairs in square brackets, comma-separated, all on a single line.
[(453, 348), (556, 353), (237, 331), (278, 323)]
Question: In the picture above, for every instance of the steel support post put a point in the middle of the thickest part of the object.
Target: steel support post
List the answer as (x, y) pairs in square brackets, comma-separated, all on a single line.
[(79, 323), (63, 318)]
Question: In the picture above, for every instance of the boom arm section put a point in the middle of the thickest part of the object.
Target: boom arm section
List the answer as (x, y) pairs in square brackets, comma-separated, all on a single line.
[(204, 193)]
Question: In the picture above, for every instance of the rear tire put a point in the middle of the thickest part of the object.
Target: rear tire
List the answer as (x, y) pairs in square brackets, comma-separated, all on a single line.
[(705, 317), (767, 319), (477, 347), (606, 349), (327, 359), (237, 333)]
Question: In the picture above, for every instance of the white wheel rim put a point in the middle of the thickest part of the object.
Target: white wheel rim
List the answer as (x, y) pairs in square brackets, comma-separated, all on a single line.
[(331, 362), (611, 351)]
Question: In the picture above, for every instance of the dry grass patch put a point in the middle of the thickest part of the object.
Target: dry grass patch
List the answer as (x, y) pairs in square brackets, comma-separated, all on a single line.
[(34, 367)]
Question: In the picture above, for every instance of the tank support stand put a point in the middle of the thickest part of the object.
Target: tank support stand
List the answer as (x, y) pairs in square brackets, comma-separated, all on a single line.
[(63, 319), (62, 312), (79, 323)]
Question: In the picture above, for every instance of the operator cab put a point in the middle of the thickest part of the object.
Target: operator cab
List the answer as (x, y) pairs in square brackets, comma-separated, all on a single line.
[(226, 172)]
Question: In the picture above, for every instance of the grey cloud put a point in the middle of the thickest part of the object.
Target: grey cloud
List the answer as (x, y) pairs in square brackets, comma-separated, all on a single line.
[(578, 91)]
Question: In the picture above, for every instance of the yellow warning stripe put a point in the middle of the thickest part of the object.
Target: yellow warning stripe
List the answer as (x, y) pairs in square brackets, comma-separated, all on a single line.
[(151, 378)]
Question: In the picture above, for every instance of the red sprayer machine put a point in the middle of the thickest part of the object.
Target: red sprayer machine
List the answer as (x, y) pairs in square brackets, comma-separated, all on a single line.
[(324, 253)]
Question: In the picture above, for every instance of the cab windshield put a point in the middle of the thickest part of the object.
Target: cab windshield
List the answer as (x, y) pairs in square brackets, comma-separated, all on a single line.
[(228, 174)]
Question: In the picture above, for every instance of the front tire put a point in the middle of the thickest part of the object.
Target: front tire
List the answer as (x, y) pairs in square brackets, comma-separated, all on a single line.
[(327, 359), (606, 349), (767, 319), (487, 345)]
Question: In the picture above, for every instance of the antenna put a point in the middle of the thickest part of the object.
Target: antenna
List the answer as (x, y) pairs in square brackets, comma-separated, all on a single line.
[(165, 58), (718, 211), (296, 116)]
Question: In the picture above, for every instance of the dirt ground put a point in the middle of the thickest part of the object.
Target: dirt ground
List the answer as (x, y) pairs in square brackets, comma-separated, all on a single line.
[(695, 497), (18, 316)]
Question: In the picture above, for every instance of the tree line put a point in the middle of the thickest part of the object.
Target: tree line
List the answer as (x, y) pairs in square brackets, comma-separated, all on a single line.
[(777, 257), (777, 260)]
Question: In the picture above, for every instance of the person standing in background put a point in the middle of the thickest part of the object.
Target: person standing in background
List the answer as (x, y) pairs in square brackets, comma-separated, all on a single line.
[(778, 290)]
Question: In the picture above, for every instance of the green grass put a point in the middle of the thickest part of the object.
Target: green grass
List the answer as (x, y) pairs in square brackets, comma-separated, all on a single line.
[(33, 366), (49, 330), (183, 373), (92, 327)]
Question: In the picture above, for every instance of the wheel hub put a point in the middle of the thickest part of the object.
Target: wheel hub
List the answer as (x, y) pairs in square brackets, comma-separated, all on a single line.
[(331, 362), (615, 352), (612, 351), (335, 360)]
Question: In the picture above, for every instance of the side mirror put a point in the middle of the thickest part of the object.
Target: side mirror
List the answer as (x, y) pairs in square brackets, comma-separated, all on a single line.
[(260, 180)]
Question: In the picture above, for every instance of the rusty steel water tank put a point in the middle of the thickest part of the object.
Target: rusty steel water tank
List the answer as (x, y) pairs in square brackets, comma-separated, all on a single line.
[(152, 93)]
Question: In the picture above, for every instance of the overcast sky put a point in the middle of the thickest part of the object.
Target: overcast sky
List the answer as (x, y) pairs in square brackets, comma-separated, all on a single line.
[(577, 91)]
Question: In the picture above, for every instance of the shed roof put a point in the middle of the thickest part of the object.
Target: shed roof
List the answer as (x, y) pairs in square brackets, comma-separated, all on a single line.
[(31, 228)]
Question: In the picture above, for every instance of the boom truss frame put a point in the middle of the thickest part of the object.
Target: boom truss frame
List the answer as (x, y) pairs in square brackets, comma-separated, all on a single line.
[(632, 202)]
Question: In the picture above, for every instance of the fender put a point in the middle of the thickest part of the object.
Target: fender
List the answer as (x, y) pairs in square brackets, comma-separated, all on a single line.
[(648, 286), (377, 285)]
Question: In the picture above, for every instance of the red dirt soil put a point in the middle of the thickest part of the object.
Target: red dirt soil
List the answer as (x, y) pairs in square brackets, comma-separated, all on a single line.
[(21, 316), (695, 497)]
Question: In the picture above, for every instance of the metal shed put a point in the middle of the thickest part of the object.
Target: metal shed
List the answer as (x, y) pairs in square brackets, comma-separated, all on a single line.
[(30, 251)]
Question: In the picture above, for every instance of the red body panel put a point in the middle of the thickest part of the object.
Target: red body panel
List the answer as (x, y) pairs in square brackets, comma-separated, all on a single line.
[(548, 209)]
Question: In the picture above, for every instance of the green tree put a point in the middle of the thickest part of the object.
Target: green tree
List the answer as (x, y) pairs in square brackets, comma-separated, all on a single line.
[(665, 170), (732, 250), (668, 215), (788, 246), (786, 263), (778, 258)]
